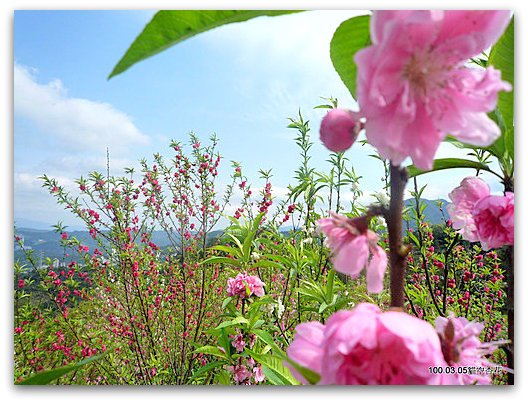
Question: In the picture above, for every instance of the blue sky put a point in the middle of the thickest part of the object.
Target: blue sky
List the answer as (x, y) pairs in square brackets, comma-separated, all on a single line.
[(240, 81)]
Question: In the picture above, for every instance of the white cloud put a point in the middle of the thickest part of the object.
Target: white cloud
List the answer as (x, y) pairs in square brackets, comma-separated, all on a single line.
[(285, 60), (78, 124), (284, 42)]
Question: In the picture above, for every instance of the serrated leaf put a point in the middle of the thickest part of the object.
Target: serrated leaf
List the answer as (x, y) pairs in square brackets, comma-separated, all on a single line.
[(270, 341), (211, 350), (169, 27), (275, 371), (350, 37)]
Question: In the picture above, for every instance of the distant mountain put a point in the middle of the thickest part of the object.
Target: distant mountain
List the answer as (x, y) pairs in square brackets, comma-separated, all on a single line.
[(40, 225), (46, 242)]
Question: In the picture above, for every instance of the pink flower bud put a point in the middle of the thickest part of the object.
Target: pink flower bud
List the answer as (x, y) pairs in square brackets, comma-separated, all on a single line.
[(339, 129)]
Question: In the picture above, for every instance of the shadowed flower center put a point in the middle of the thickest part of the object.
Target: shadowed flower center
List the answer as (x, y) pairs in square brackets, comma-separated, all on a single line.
[(425, 74)]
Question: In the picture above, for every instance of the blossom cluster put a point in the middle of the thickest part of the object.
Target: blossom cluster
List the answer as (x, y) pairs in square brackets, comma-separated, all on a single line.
[(480, 216), (245, 286)]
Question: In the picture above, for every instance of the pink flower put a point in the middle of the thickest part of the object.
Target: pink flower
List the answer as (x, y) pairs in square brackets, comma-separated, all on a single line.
[(339, 129), (258, 375), (240, 372), (238, 343), (482, 217), (494, 220), (413, 87), (354, 247), (464, 198), (245, 286), (366, 346), (307, 348), (462, 347)]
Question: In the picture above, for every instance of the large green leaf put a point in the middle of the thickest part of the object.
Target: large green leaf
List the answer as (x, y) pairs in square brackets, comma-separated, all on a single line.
[(274, 370), (311, 376), (45, 377), (167, 28), (502, 58), (351, 36), (448, 163)]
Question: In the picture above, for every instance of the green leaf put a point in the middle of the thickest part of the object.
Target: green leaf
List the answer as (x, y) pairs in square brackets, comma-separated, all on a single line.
[(351, 36), (269, 263), (226, 301), (311, 376), (223, 378), (220, 259), (330, 284), (236, 321), (248, 241), (206, 368), (502, 58), (45, 377), (227, 249), (167, 28), (211, 350), (269, 340), (274, 370), (448, 163)]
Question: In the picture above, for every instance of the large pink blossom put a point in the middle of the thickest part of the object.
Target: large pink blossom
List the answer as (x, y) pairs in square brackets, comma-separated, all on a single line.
[(494, 220), (355, 247), (365, 346), (414, 88), (245, 286), (481, 217), (464, 198), (463, 350), (307, 348)]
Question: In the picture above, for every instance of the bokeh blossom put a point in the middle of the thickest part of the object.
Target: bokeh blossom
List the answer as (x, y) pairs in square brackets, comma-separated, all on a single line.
[(413, 85), (355, 247), (365, 346), (463, 349), (494, 220), (481, 217)]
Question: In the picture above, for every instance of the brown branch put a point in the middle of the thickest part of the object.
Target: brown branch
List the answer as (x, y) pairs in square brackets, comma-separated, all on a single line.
[(397, 251)]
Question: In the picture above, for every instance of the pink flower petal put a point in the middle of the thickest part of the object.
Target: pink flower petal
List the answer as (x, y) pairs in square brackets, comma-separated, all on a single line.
[(376, 270), (351, 258), (484, 27)]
